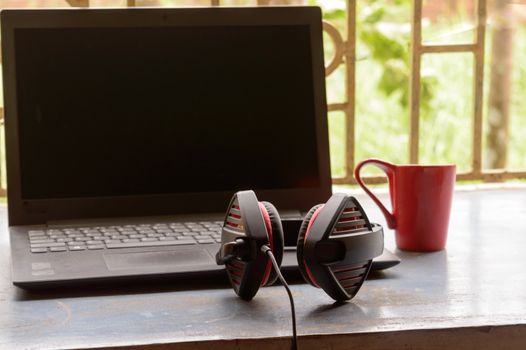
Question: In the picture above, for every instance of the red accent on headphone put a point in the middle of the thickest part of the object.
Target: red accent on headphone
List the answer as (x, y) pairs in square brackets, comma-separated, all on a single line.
[(268, 225), (311, 221)]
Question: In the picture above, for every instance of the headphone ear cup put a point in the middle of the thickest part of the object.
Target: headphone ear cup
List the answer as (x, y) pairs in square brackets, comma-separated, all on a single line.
[(247, 221), (277, 239), (336, 246), (300, 244)]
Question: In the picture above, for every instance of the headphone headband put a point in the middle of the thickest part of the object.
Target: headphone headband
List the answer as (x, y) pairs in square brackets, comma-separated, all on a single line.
[(358, 247)]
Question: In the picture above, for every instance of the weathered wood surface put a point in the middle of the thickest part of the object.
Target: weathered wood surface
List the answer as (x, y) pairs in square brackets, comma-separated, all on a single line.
[(472, 295)]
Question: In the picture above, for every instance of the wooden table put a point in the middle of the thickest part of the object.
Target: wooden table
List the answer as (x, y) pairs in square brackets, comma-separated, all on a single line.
[(470, 296)]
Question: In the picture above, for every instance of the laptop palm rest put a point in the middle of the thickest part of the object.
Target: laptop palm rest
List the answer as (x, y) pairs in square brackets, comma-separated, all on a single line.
[(158, 259)]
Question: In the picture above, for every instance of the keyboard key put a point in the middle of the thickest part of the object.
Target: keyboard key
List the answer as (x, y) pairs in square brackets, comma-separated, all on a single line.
[(131, 240), (38, 250), (149, 239), (154, 235), (173, 234), (68, 230), (205, 241), (160, 226), (110, 231), (119, 237), (77, 247), (75, 235), (95, 246), (150, 244), (94, 234), (181, 230), (36, 233), (46, 245), (127, 231), (64, 239), (88, 232), (186, 238), (94, 242), (42, 240), (112, 241), (58, 249), (166, 238), (161, 232), (190, 233)]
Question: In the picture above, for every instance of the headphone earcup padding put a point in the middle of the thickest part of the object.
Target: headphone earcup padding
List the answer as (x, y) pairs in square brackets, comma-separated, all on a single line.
[(301, 241), (277, 238)]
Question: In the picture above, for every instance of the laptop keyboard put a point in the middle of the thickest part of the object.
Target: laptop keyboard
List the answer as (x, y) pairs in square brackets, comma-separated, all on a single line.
[(126, 236)]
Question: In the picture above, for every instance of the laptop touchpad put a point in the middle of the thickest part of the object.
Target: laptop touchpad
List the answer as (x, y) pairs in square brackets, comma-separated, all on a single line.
[(167, 258)]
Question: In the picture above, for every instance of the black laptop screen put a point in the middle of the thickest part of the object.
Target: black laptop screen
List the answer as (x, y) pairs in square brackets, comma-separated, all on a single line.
[(139, 111)]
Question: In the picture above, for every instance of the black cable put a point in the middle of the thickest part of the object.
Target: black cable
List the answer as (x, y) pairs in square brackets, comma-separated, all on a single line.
[(265, 249)]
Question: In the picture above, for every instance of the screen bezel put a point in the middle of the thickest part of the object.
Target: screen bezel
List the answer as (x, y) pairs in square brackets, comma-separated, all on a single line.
[(38, 211)]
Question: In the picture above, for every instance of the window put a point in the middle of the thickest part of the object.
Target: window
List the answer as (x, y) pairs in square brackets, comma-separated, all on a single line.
[(410, 81)]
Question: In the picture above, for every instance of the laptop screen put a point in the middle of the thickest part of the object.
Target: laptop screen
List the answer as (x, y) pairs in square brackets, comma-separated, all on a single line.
[(154, 110)]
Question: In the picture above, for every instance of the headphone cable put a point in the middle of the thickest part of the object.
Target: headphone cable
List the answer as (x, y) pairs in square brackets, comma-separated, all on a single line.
[(266, 249)]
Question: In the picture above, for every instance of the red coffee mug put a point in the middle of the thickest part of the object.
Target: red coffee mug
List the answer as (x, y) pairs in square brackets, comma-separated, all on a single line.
[(421, 200)]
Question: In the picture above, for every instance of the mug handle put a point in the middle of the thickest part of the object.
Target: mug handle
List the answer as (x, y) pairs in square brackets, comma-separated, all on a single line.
[(388, 169)]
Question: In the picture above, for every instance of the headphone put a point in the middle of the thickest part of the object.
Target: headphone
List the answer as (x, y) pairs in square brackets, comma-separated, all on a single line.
[(335, 248)]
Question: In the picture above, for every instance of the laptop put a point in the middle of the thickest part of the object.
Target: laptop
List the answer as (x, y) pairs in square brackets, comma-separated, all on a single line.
[(128, 130)]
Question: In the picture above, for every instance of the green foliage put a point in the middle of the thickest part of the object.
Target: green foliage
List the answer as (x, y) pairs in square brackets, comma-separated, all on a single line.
[(382, 85), (517, 146), (388, 46)]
